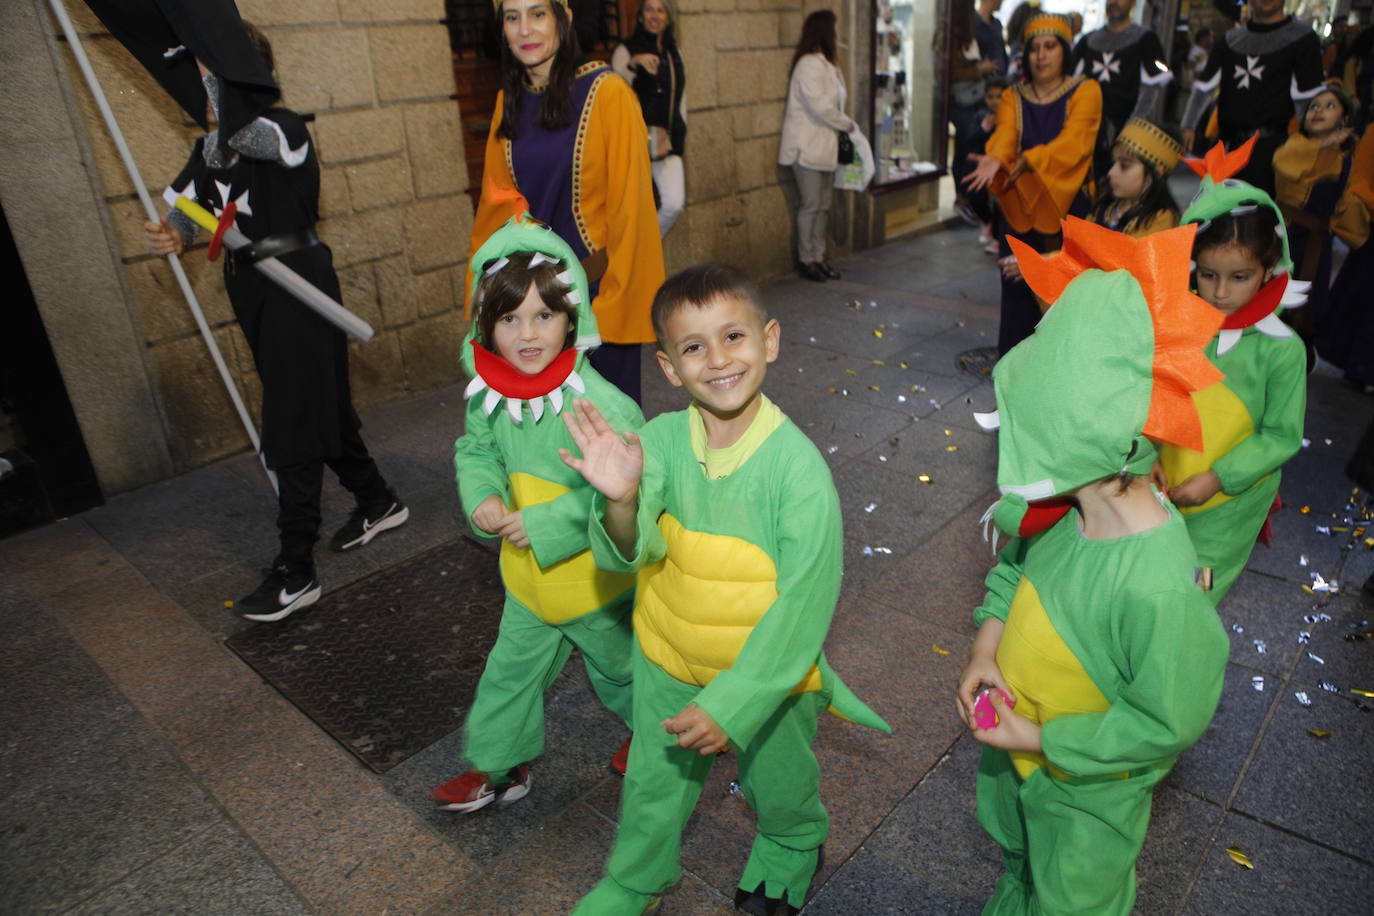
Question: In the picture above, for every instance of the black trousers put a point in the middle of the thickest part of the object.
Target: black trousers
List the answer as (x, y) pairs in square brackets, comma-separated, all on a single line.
[(1020, 311), (298, 504), (619, 365)]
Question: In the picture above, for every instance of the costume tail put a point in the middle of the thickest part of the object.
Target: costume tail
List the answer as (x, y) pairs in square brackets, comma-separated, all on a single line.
[(845, 705)]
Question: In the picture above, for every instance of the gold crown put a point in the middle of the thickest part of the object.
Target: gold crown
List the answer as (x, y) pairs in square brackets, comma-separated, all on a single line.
[(1150, 143), (1048, 24)]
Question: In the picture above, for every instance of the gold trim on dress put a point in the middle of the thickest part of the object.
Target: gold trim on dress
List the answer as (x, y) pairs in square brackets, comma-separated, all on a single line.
[(579, 144), (1070, 83)]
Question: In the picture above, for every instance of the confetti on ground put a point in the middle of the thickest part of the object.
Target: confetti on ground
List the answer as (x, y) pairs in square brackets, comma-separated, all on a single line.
[(1302, 559), (833, 389), (1328, 441), (850, 372), (1304, 637), (951, 448), (1303, 698), (901, 399), (879, 362), (870, 507), (938, 651), (1316, 658), (1305, 510), (1363, 693), (1237, 628), (1306, 443), (1323, 529), (1257, 682), (934, 403), (904, 365), (1239, 857), (813, 340), (870, 551), (923, 478), (1328, 687), (1260, 647), (228, 604), (874, 388), (1319, 733), (878, 334), (882, 457), (832, 450)]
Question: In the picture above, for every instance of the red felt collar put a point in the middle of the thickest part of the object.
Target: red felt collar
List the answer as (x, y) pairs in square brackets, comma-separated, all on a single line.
[(1043, 514), (1258, 308), (501, 376)]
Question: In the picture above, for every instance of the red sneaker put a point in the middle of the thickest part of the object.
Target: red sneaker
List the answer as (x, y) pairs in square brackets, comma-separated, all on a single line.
[(622, 756), (474, 790)]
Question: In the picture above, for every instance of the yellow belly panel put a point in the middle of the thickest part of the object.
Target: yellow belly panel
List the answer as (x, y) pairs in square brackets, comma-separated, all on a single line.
[(1225, 424), (565, 590), (695, 608), (1045, 676)]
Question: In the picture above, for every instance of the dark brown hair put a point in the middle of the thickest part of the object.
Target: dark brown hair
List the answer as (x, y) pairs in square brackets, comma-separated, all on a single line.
[(260, 44), (555, 107), (817, 34), (1256, 230), (700, 286), (502, 292)]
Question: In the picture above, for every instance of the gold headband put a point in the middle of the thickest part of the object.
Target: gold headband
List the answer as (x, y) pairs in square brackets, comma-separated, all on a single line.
[(1152, 144), (1048, 24)]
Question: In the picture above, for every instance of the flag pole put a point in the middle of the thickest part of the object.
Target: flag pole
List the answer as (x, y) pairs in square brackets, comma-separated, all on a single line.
[(93, 82)]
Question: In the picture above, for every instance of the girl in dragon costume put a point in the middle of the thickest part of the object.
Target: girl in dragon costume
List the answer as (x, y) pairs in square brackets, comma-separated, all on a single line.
[(527, 345), (1252, 421), (1092, 625)]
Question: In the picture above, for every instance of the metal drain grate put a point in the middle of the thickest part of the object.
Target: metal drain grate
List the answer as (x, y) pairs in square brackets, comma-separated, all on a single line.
[(389, 665)]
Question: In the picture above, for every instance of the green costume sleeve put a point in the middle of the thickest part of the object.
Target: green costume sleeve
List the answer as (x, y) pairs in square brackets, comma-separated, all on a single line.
[(1278, 429), (787, 641), (558, 528), (1172, 656), (478, 465), (649, 544), (1001, 582)]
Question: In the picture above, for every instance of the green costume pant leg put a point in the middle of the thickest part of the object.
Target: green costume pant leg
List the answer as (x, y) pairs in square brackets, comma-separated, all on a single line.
[(605, 639), (662, 785), (781, 782), (1076, 842), (1224, 537)]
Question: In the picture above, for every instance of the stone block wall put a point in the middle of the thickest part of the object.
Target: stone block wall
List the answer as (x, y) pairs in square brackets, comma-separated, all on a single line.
[(378, 77)]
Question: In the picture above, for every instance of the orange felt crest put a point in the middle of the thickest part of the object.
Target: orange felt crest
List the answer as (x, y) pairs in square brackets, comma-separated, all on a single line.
[(1183, 322), (1220, 165), (494, 193)]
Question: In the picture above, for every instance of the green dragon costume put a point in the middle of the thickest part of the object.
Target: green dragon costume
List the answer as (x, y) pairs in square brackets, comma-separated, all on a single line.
[(739, 557), (1252, 422), (556, 598), (1107, 644)]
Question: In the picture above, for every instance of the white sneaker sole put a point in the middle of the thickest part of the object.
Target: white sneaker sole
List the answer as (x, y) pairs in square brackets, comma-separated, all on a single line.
[(513, 794), (304, 600), (386, 524)]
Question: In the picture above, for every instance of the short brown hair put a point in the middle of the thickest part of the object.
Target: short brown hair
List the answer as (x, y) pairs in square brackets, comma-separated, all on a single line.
[(699, 286), (260, 44), (503, 290)]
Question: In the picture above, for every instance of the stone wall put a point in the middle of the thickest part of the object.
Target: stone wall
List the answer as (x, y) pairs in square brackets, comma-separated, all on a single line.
[(378, 78)]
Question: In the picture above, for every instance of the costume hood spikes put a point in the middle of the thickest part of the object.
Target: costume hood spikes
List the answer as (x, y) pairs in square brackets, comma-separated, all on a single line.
[(1110, 367), (489, 371)]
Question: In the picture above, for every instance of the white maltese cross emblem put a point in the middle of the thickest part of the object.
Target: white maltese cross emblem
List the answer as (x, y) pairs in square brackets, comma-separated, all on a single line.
[(1253, 69), (1104, 68)]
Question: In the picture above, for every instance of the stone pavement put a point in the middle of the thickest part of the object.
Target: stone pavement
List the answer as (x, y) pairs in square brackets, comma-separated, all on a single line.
[(148, 770)]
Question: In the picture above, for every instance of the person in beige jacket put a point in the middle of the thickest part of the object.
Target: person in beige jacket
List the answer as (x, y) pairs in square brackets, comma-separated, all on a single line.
[(811, 128)]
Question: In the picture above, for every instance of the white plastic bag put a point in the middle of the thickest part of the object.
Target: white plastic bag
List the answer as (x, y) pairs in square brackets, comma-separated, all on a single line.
[(856, 175)]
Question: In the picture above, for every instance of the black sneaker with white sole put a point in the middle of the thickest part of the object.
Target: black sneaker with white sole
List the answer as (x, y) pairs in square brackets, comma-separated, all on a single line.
[(364, 525), (284, 591)]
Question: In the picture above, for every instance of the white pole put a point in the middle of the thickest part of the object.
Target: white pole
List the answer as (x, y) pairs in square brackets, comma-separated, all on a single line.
[(117, 135)]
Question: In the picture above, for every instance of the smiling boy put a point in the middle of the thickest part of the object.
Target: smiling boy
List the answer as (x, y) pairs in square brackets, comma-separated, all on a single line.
[(728, 513)]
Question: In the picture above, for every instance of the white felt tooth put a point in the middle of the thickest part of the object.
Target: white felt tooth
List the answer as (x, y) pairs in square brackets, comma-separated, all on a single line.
[(574, 381), (1226, 339), (990, 421), (1272, 325), (573, 297), (566, 278), (556, 400), (541, 258), (513, 408), (1295, 293), (492, 399), (497, 266), (537, 408), (1041, 489), (474, 386)]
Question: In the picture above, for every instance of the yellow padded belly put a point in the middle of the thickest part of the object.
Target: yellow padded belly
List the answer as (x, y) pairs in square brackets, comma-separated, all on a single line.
[(565, 590), (1225, 424), (1045, 676), (695, 608)]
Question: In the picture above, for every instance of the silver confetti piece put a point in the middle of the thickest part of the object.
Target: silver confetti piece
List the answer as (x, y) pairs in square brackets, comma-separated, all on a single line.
[(1328, 687), (1260, 647), (1303, 698), (1237, 628), (1257, 682), (1306, 443), (1302, 560), (1316, 658), (870, 507), (1323, 529), (1303, 637)]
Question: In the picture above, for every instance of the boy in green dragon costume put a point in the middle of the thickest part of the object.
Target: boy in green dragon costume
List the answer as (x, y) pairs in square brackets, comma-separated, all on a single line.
[(1252, 421), (1107, 656), (531, 329), (729, 515)]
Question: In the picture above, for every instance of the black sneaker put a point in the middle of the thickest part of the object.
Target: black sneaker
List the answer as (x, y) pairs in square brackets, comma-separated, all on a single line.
[(283, 592), (830, 272), (362, 526)]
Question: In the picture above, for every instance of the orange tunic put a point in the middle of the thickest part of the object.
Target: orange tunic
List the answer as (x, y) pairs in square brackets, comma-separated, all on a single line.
[(1055, 171), (613, 193), (1302, 162)]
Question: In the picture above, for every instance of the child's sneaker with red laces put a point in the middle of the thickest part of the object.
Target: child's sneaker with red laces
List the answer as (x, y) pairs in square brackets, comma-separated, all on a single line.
[(474, 790)]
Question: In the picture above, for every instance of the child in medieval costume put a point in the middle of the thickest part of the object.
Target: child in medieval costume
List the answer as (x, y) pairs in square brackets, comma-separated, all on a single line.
[(526, 353), (264, 178), (1135, 197), (1100, 657), (728, 513), (1252, 421)]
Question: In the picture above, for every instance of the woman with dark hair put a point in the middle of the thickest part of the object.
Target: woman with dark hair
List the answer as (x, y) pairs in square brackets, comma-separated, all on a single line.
[(1037, 161), (966, 72), (811, 128), (649, 61), (568, 144)]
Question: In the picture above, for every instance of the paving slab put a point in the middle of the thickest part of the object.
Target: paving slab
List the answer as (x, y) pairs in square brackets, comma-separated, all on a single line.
[(1210, 769)]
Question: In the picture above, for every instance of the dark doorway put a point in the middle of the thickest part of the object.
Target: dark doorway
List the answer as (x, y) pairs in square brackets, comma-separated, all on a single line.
[(46, 473)]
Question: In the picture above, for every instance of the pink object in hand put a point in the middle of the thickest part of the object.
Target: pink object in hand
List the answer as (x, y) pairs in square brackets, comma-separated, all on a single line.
[(984, 713)]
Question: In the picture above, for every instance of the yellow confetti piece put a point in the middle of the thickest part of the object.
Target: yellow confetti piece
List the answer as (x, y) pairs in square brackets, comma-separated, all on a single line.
[(1239, 857), (850, 372), (228, 604), (904, 365), (1369, 543), (878, 334), (874, 388), (879, 362), (923, 478), (1305, 509), (949, 432), (1363, 693), (951, 448), (915, 388), (1319, 733), (833, 389), (937, 650), (1359, 532), (1308, 589), (1341, 528), (883, 326)]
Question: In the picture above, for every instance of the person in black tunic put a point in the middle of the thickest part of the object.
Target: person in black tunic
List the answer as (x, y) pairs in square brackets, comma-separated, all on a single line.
[(268, 173), (1127, 61), (1267, 70)]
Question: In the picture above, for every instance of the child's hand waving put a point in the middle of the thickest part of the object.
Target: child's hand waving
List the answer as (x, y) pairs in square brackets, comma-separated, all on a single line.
[(612, 462)]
